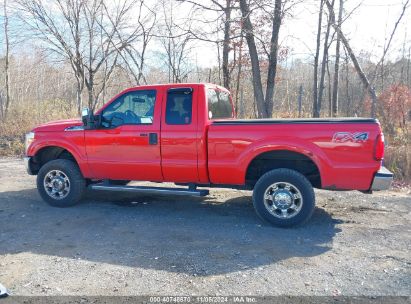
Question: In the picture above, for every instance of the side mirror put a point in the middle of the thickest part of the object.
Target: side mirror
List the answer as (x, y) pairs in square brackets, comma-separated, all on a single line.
[(85, 114), (90, 121)]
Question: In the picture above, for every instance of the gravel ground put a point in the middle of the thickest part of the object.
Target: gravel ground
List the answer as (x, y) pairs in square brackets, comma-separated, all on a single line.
[(129, 244)]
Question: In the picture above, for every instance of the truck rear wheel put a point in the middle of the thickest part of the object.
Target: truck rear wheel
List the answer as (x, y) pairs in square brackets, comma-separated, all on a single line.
[(60, 183), (284, 198)]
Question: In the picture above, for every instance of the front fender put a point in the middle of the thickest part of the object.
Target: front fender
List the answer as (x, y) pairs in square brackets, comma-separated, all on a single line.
[(74, 144)]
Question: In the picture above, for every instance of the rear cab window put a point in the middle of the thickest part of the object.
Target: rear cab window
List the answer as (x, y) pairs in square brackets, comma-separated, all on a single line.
[(219, 104), (179, 107)]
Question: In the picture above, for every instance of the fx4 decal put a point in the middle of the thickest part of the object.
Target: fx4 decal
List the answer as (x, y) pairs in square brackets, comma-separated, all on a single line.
[(357, 137)]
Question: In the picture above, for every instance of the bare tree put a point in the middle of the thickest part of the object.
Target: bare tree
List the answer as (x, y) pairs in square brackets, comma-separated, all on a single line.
[(226, 43), (324, 63), (366, 82), (176, 41), (223, 13), (59, 40), (134, 55), (5, 108), (334, 103), (359, 70), (272, 59), (316, 61), (255, 63), (83, 32), (239, 74), (384, 53), (264, 104)]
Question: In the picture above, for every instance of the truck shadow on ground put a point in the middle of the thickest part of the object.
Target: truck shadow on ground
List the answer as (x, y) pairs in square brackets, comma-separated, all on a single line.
[(196, 236)]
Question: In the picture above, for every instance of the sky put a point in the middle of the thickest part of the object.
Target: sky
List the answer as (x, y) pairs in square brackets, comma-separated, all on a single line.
[(367, 28)]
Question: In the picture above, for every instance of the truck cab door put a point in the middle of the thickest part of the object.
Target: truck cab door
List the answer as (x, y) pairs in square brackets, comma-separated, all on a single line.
[(179, 139), (126, 146)]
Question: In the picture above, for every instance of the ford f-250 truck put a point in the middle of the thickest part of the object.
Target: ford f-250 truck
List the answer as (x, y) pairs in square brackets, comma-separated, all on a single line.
[(188, 134)]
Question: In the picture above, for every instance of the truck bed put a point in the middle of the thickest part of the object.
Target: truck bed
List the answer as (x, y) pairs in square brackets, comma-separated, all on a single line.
[(294, 121), (344, 159)]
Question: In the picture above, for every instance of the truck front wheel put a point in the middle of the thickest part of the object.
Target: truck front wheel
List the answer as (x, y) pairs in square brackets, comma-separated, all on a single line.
[(60, 183), (284, 198)]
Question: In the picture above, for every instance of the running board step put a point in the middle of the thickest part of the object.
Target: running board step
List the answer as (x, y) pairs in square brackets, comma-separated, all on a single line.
[(143, 189)]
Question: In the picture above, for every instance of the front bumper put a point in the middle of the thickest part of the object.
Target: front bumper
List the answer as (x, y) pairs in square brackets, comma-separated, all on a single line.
[(382, 180), (28, 163)]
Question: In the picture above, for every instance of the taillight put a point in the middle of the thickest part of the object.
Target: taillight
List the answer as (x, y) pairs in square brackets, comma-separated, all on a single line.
[(379, 147)]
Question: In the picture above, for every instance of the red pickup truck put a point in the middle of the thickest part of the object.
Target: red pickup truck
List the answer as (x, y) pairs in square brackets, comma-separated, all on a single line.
[(188, 134)]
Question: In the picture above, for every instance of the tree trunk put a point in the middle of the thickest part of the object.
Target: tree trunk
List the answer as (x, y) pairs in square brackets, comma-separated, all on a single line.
[(360, 72), (408, 67), (219, 62), (7, 57), (329, 95), (79, 101), (316, 59), (255, 67), (337, 64), (347, 86), (272, 63), (299, 101), (323, 66), (241, 104), (226, 44), (90, 89), (240, 65)]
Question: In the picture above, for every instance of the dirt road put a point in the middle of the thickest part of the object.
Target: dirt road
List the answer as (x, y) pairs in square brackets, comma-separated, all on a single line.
[(122, 244)]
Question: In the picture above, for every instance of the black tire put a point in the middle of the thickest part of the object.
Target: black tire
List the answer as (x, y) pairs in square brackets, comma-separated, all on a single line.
[(299, 186), (119, 182), (76, 181)]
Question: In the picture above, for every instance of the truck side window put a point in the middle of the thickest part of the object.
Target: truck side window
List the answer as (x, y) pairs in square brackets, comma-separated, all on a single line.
[(219, 104), (131, 108), (179, 107)]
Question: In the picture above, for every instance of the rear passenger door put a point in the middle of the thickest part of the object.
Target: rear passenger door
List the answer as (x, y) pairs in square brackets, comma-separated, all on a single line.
[(179, 135)]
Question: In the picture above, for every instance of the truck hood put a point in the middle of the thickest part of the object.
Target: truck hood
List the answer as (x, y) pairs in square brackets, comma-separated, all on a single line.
[(57, 125)]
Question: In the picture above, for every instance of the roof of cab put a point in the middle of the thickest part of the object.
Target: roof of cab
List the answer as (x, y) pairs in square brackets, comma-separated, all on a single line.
[(206, 84)]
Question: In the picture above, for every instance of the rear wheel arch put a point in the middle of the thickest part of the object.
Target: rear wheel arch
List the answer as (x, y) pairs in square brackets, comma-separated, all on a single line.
[(282, 158)]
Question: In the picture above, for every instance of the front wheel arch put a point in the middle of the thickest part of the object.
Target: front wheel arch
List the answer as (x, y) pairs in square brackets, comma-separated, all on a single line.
[(49, 153)]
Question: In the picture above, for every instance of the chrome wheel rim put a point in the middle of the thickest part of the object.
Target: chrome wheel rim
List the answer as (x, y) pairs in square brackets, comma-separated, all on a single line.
[(283, 200), (57, 184)]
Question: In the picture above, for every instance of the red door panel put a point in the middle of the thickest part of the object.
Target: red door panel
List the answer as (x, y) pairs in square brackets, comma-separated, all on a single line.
[(179, 141), (125, 152)]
